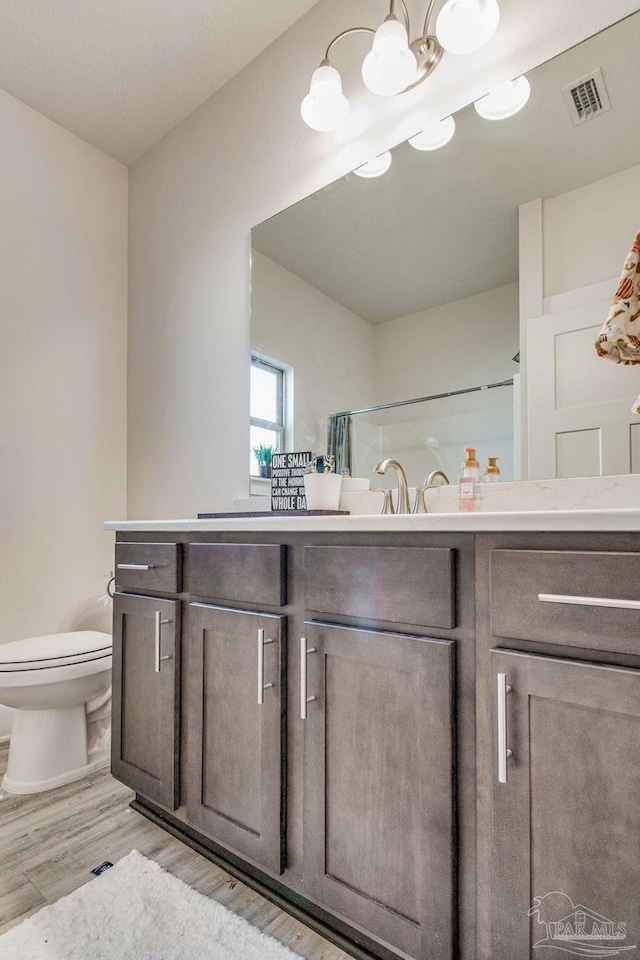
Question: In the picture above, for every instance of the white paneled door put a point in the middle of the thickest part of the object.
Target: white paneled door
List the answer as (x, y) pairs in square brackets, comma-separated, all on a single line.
[(579, 404)]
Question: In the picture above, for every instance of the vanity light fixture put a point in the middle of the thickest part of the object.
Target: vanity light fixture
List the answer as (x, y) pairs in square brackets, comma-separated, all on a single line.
[(504, 100), (390, 66), (325, 107), (436, 134), (375, 167), (466, 25), (396, 63)]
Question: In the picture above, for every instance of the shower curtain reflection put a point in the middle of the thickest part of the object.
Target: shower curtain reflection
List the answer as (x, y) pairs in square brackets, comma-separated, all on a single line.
[(339, 443)]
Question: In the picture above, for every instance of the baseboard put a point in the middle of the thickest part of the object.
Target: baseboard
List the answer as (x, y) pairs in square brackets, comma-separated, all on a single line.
[(353, 942)]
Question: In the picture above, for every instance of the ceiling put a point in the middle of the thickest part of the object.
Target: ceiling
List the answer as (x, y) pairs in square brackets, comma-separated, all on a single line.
[(122, 73), (442, 226)]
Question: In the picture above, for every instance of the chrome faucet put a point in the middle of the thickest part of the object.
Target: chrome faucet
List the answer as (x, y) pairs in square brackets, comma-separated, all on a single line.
[(403, 487), (430, 481)]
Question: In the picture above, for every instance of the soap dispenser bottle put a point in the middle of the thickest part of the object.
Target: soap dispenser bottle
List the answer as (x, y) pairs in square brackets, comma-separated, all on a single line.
[(469, 482), (491, 471)]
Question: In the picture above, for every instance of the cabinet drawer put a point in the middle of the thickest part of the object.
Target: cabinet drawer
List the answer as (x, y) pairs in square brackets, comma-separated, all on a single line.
[(394, 584), (148, 567), (241, 572), (579, 598)]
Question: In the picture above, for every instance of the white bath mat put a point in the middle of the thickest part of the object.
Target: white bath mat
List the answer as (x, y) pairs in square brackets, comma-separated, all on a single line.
[(137, 911)]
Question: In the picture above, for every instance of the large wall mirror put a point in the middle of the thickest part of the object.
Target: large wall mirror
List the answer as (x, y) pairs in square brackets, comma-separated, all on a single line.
[(490, 261)]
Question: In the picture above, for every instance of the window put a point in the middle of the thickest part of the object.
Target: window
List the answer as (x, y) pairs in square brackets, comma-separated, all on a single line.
[(267, 407)]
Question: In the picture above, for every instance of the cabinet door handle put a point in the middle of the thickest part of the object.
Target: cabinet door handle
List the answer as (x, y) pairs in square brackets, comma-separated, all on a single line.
[(304, 699), (503, 752), (157, 658), (262, 686), (589, 601), (134, 566)]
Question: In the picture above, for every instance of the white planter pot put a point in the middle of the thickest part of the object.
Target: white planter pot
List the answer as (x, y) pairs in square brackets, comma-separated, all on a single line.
[(322, 490)]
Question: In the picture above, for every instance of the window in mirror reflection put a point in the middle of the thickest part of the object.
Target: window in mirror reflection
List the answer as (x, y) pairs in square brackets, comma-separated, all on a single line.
[(267, 408)]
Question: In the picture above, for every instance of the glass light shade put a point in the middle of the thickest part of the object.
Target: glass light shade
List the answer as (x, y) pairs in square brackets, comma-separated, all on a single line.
[(325, 108), (435, 135), (390, 66), (375, 167), (504, 100), (466, 25)]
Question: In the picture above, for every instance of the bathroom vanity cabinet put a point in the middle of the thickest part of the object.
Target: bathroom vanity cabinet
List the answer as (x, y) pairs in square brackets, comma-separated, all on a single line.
[(558, 634), (353, 817), (404, 738)]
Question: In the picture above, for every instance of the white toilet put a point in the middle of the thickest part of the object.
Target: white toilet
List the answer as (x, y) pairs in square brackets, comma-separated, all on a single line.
[(60, 689)]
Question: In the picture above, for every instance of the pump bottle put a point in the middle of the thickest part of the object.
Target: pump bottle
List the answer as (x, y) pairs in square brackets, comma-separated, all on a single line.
[(491, 471), (469, 482)]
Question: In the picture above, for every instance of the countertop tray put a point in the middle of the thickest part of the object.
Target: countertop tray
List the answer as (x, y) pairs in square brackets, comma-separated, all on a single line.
[(274, 513)]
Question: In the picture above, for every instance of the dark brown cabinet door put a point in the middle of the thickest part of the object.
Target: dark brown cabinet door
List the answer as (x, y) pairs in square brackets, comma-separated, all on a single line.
[(235, 791), (378, 789), (566, 826), (146, 679)]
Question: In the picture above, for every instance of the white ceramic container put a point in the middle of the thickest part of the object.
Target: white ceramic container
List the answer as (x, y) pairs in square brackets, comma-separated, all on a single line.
[(322, 490)]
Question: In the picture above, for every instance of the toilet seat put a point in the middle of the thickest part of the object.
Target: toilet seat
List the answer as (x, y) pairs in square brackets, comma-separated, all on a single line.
[(54, 650)]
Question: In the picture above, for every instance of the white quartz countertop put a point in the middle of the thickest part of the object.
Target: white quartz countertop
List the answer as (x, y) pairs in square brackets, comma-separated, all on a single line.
[(619, 519), (588, 503)]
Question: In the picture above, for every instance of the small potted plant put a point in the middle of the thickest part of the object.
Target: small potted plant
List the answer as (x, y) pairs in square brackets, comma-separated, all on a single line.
[(264, 455)]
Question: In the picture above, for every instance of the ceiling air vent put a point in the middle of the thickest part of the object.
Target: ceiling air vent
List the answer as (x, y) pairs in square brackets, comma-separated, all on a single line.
[(587, 97)]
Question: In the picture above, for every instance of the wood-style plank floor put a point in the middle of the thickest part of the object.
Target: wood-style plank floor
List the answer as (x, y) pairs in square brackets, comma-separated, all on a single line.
[(50, 841)]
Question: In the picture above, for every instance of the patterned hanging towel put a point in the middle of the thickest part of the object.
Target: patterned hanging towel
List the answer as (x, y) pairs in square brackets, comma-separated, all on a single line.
[(619, 339)]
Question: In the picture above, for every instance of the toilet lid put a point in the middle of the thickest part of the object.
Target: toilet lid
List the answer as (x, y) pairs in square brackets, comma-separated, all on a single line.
[(56, 649)]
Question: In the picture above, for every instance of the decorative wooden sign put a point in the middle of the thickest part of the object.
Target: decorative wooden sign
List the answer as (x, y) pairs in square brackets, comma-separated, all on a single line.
[(287, 480)]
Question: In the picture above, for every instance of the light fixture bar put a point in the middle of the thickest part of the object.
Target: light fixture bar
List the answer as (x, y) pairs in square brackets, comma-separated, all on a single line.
[(425, 29), (396, 63), (426, 49), (405, 13), (346, 33)]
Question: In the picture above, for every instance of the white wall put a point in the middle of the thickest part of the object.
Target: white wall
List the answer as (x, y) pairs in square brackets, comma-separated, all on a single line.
[(240, 158), (588, 232), (63, 245), (460, 344), (329, 348)]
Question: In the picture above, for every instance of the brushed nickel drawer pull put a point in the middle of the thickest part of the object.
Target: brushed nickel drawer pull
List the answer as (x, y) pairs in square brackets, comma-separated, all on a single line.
[(304, 699), (262, 686), (134, 566), (589, 601), (157, 658), (503, 752)]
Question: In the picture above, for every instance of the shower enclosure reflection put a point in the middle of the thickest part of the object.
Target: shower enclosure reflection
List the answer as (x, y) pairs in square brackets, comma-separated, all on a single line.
[(431, 433)]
